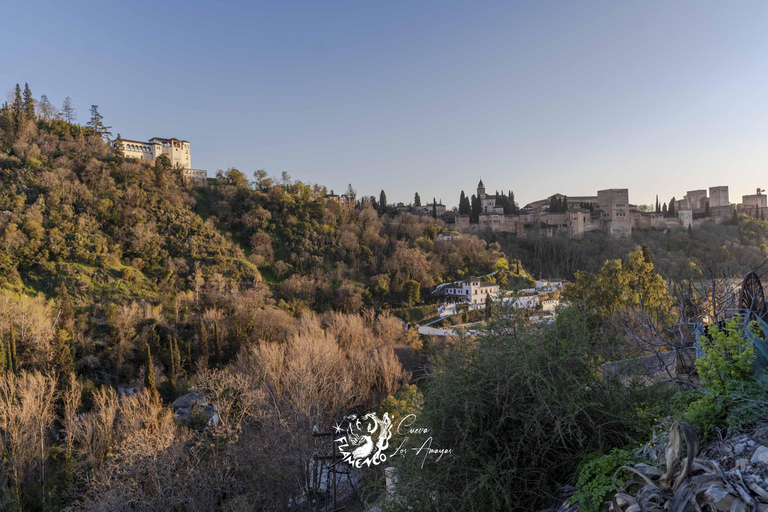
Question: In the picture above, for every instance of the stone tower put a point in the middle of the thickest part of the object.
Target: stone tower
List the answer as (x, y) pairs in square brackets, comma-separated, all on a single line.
[(480, 190)]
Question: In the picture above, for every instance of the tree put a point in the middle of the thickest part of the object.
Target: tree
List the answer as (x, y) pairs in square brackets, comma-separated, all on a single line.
[(29, 103), (262, 179), (97, 124), (463, 204), (434, 208), (672, 208), (382, 202), (476, 208), (417, 199), (664, 209), (117, 148), (46, 109), (412, 291), (68, 111), (658, 206), (17, 108), (149, 376), (706, 209)]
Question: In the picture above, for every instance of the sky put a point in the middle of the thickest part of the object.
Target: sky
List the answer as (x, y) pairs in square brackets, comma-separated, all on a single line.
[(537, 97)]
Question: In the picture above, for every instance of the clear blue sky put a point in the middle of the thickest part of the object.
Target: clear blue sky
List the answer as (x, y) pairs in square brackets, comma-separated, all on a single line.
[(429, 96)]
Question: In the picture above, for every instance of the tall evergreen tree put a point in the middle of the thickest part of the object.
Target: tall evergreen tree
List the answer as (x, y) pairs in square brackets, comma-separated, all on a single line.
[(706, 209), (97, 124), (149, 376), (475, 209), (17, 107), (68, 110), (658, 206), (382, 202), (416, 200), (434, 208), (117, 150), (671, 209), (463, 209), (29, 103)]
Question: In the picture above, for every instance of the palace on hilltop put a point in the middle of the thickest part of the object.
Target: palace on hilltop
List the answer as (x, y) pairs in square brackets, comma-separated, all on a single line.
[(608, 211), (177, 151)]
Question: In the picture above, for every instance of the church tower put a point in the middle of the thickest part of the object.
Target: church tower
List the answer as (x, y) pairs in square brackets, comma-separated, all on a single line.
[(480, 190)]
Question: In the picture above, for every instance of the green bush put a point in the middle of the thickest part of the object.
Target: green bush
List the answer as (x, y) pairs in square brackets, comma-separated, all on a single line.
[(595, 478), (732, 398), (519, 405)]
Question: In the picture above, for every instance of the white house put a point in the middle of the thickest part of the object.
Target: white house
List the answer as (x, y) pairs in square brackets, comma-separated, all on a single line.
[(470, 290)]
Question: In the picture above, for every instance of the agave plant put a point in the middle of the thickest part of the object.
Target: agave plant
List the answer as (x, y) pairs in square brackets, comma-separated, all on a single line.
[(687, 484)]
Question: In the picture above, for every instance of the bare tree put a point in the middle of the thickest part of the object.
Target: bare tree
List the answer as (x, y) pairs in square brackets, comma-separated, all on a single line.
[(68, 111)]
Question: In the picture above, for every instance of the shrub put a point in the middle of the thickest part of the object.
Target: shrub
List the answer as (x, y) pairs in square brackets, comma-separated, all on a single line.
[(518, 405), (732, 398), (595, 478)]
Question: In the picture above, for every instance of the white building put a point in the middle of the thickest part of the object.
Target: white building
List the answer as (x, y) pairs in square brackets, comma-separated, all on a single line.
[(177, 151), (470, 290)]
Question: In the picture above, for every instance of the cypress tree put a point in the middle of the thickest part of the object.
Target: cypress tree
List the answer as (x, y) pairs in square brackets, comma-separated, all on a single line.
[(382, 202), (462, 209), (434, 208), (149, 376), (3, 358), (417, 199), (17, 107), (61, 358), (13, 363), (172, 350), (706, 209), (671, 210), (118, 150), (204, 350), (29, 103)]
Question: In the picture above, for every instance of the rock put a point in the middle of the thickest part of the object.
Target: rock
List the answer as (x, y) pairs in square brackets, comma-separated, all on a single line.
[(738, 449), (760, 455), (741, 464)]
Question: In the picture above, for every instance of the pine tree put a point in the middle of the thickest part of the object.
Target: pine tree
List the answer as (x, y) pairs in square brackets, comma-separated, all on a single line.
[(417, 199), (149, 376), (97, 124), (382, 202), (29, 103), (68, 111)]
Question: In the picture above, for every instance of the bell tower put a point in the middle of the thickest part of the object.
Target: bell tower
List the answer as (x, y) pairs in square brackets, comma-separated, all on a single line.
[(480, 190)]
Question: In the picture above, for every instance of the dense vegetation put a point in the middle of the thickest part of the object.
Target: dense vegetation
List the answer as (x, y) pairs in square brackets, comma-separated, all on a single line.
[(264, 294), (279, 304)]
